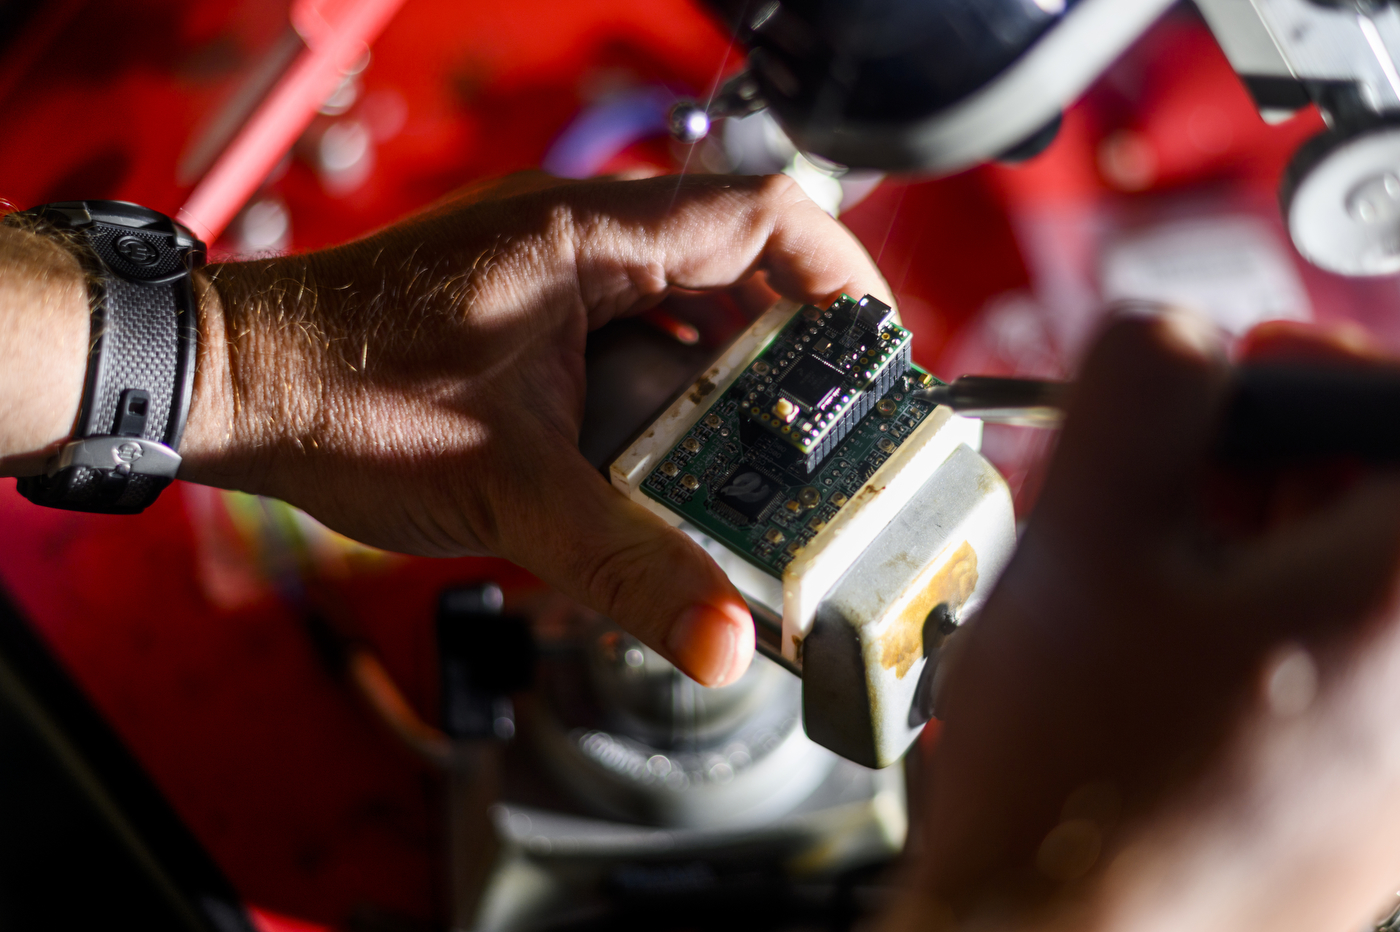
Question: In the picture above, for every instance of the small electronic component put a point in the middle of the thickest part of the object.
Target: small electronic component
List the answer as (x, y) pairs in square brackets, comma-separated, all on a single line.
[(746, 494), (823, 373)]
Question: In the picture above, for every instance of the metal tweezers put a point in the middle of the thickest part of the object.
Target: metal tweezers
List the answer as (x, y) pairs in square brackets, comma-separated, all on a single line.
[(997, 400), (1276, 413)]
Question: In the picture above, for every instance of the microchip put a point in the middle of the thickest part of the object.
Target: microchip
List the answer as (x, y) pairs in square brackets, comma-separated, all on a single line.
[(747, 492), (833, 373), (812, 383)]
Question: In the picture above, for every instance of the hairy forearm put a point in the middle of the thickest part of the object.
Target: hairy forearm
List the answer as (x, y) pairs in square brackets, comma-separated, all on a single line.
[(212, 430), (284, 366), (44, 337)]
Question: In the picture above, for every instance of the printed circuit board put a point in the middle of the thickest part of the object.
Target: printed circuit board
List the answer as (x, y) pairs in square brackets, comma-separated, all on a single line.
[(793, 438)]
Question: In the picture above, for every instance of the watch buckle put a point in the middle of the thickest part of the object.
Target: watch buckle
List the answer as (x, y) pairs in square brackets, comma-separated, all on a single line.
[(126, 456)]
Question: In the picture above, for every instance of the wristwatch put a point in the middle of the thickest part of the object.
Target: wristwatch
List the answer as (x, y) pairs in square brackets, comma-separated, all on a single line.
[(141, 354)]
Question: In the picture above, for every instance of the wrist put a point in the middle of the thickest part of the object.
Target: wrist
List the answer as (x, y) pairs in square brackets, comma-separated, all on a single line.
[(44, 336), (210, 430), (256, 392)]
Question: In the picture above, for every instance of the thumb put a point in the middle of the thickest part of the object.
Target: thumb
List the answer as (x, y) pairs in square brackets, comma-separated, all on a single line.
[(583, 537)]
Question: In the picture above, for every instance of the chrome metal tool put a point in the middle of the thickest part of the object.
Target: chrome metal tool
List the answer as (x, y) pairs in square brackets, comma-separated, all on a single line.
[(998, 400), (1277, 413)]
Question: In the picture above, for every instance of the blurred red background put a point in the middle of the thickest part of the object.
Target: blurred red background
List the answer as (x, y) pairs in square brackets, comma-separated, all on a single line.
[(308, 806)]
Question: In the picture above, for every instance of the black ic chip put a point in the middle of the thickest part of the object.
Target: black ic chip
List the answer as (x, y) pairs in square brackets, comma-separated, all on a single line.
[(747, 492), (813, 383)]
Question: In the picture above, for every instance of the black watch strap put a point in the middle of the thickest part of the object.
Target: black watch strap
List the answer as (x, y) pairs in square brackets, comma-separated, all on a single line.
[(141, 355)]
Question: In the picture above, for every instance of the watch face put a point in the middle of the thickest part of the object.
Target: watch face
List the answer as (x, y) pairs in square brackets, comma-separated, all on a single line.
[(136, 243), (137, 251)]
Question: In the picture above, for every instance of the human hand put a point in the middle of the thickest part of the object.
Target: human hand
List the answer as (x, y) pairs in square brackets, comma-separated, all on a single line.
[(1176, 709), (421, 389)]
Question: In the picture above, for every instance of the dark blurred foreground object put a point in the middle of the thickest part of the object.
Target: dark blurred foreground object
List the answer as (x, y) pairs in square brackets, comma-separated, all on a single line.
[(1277, 413), (1288, 414), (484, 656), (14, 15), (87, 841)]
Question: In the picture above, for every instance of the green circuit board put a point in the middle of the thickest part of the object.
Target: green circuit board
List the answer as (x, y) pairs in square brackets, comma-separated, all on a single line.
[(756, 491)]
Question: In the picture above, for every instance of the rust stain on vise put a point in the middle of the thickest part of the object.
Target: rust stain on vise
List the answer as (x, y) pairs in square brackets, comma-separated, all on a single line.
[(869, 493), (903, 643), (702, 388)]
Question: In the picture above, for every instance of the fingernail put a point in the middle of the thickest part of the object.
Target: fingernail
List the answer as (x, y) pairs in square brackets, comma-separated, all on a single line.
[(1188, 330), (1192, 333), (709, 645), (1352, 336)]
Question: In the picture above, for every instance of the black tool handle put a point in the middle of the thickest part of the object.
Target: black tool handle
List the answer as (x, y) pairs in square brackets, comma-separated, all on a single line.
[(1291, 413)]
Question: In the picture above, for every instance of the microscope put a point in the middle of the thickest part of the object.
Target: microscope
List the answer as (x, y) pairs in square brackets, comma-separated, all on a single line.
[(937, 87)]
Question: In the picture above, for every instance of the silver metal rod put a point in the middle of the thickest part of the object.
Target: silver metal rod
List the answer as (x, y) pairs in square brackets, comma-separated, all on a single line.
[(997, 400)]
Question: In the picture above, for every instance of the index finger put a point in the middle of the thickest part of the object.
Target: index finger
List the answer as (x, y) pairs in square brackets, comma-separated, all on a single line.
[(632, 241)]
